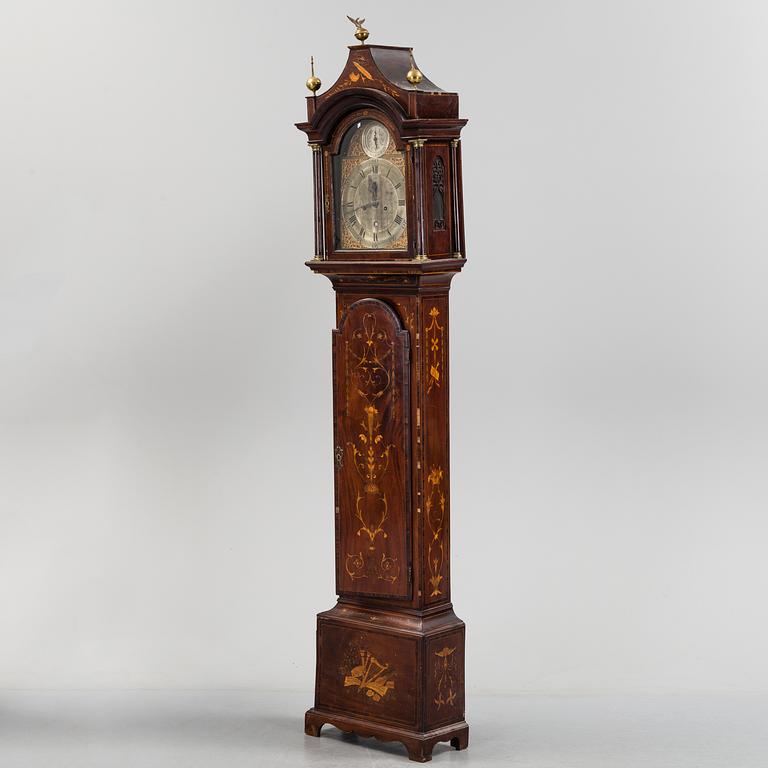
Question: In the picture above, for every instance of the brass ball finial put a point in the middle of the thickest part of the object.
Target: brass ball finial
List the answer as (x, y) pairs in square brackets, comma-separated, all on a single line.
[(361, 33), (413, 75), (313, 83)]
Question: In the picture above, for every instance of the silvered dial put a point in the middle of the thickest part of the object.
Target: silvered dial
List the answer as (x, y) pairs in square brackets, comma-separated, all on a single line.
[(375, 139), (373, 203)]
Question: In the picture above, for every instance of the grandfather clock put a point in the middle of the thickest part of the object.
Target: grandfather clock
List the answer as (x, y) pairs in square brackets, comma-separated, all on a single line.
[(389, 235)]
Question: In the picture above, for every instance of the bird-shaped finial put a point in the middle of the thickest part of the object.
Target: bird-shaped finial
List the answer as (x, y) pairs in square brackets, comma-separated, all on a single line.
[(361, 33)]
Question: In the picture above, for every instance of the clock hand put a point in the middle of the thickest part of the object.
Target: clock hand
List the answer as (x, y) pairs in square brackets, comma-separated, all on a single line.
[(373, 190), (365, 206)]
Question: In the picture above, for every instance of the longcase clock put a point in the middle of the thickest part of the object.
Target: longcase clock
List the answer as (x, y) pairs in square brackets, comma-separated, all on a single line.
[(389, 235)]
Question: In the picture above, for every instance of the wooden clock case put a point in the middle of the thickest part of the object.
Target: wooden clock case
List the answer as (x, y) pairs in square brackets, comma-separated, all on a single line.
[(390, 653)]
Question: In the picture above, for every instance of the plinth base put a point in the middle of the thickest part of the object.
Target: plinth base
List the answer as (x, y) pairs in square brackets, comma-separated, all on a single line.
[(419, 745), (395, 675)]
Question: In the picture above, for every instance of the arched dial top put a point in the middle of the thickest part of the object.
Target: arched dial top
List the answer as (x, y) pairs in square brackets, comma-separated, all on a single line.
[(370, 190)]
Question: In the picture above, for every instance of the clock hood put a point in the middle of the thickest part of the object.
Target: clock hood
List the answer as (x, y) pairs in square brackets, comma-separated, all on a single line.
[(377, 75)]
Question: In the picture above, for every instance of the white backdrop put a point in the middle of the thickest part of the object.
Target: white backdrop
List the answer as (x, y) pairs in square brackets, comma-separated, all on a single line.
[(165, 431)]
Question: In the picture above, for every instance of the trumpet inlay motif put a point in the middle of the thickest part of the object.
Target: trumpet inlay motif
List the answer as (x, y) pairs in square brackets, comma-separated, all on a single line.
[(370, 676)]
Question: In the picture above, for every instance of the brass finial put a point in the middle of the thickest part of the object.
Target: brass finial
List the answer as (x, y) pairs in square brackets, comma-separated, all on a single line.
[(414, 76), (361, 33), (313, 83)]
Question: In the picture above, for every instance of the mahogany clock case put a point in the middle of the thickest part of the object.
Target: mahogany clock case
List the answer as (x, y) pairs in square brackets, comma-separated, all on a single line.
[(390, 653), (423, 123)]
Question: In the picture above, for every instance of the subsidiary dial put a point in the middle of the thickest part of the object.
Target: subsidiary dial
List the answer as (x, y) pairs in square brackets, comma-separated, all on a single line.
[(375, 139)]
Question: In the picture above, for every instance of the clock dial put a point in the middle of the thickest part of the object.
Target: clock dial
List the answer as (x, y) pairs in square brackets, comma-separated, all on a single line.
[(375, 139), (370, 190), (373, 203)]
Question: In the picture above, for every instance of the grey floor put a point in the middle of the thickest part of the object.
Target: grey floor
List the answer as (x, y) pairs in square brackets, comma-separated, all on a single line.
[(234, 729)]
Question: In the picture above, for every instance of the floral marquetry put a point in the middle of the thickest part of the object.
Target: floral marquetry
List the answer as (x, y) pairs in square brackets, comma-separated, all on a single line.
[(445, 673), (446, 677), (435, 350), (434, 508), (371, 355)]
